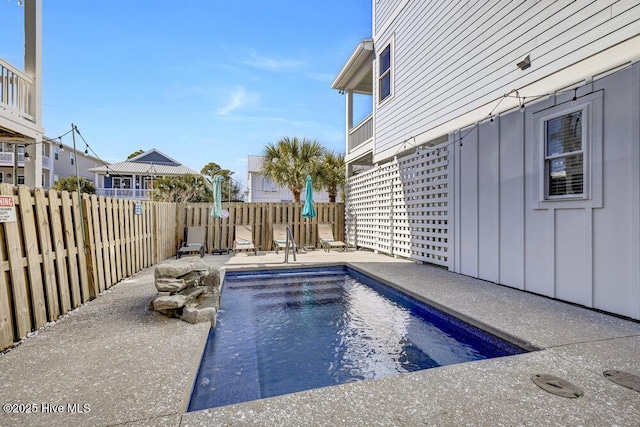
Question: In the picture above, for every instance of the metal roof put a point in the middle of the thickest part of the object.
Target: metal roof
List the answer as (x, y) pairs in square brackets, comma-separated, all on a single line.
[(137, 168)]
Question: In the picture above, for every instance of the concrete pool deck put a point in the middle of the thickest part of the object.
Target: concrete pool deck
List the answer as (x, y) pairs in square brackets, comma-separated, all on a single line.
[(135, 367)]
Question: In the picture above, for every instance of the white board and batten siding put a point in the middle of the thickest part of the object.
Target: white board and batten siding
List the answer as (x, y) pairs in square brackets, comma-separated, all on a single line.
[(585, 253), (455, 57)]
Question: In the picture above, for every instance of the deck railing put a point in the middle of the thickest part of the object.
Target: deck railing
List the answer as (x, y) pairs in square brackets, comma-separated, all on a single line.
[(124, 193), (6, 159), (361, 133), (14, 90)]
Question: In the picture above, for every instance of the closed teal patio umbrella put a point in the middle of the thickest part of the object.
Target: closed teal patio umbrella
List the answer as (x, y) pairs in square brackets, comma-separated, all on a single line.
[(308, 211), (216, 209)]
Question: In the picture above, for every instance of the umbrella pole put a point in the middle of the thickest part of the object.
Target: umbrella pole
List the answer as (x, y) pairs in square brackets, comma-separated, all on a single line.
[(220, 251)]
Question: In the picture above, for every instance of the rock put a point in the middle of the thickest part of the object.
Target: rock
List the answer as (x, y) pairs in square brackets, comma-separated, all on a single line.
[(171, 285), (193, 314), (211, 279), (187, 289), (169, 302), (172, 269)]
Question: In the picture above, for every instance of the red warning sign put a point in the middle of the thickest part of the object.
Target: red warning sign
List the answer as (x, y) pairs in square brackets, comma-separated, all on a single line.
[(7, 209)]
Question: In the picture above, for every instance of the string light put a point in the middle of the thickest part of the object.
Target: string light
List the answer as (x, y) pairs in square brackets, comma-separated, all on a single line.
[(512, 94)]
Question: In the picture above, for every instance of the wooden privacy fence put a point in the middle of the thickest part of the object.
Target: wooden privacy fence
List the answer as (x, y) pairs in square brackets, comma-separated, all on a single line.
[(62, 252), (261, 216)]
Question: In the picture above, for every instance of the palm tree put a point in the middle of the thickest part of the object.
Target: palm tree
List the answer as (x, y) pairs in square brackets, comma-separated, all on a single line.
[(290, 160), (333, 174)]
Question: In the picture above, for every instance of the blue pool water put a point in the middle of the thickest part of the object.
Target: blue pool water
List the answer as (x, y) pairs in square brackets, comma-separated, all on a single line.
[(287, 331)]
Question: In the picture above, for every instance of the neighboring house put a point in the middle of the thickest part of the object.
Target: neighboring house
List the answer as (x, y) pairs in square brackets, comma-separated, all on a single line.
[(262, 189), (65, 159), (21, 129), (9, 168), (133, 179), (504, 143)]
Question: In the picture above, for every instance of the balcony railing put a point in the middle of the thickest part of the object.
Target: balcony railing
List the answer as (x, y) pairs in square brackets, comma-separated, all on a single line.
[(361, 133), (14, 90), (124, 193), (6, 159)]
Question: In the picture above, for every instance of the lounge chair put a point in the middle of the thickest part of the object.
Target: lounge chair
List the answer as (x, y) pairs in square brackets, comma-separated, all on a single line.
[(325, 237), (244, 239), (196, 242), (280, 238)]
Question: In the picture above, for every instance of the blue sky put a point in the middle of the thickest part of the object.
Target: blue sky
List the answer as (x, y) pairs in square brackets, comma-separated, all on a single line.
[(200, 81)]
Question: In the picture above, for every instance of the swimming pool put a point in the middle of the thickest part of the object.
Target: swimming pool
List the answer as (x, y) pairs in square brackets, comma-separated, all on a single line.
[(285, 331)]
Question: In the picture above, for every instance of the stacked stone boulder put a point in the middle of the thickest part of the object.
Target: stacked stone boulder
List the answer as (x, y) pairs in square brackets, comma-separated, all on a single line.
[(187, 289)]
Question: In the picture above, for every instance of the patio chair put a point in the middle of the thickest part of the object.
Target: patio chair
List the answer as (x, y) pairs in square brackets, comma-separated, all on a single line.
[(244, 239), (196, 242), (280, 238), (325, 237)]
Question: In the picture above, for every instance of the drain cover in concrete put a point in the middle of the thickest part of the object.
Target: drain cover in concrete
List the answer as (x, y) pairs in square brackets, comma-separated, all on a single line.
[(624, 379), (556, 386)]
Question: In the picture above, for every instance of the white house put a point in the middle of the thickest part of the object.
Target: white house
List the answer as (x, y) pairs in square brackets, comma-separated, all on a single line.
[(21, 129), (133, 178), (262, 189), (504, 143)]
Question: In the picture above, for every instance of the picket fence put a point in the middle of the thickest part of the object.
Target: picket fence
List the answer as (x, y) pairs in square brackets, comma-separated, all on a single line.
[(63, 251)]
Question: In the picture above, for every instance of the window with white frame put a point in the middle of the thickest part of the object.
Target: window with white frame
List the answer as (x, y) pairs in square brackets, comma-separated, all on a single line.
[(20, 179), (56, 152), (385, 73), (268, 185), (564, 156), (72, 156), (568, 168)]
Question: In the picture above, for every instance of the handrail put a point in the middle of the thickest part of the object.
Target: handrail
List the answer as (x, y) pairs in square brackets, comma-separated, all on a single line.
[(16, 71), (286, 247)]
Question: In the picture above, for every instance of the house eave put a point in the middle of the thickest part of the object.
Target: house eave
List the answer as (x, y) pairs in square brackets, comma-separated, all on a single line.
[(361, 56)]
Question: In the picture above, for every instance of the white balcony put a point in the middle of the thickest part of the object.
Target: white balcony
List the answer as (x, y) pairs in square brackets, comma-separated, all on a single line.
[(361, 133), (124, 193), (15, 87), (6, 159)]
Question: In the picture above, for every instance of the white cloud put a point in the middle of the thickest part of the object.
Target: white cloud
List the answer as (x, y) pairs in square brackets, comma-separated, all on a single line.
[(323, 77), (238, 99), (273, 64)]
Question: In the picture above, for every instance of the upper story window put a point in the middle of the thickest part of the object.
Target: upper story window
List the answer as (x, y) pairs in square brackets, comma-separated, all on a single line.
[(564, 156), (385, 69), (72, 156), (56, 152)]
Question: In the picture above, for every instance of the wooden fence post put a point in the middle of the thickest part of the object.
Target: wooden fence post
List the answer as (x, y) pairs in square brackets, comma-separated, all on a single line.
[(90, 252)]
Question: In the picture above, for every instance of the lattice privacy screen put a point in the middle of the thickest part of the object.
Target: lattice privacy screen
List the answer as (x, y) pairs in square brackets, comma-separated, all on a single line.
[(401, 207)]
